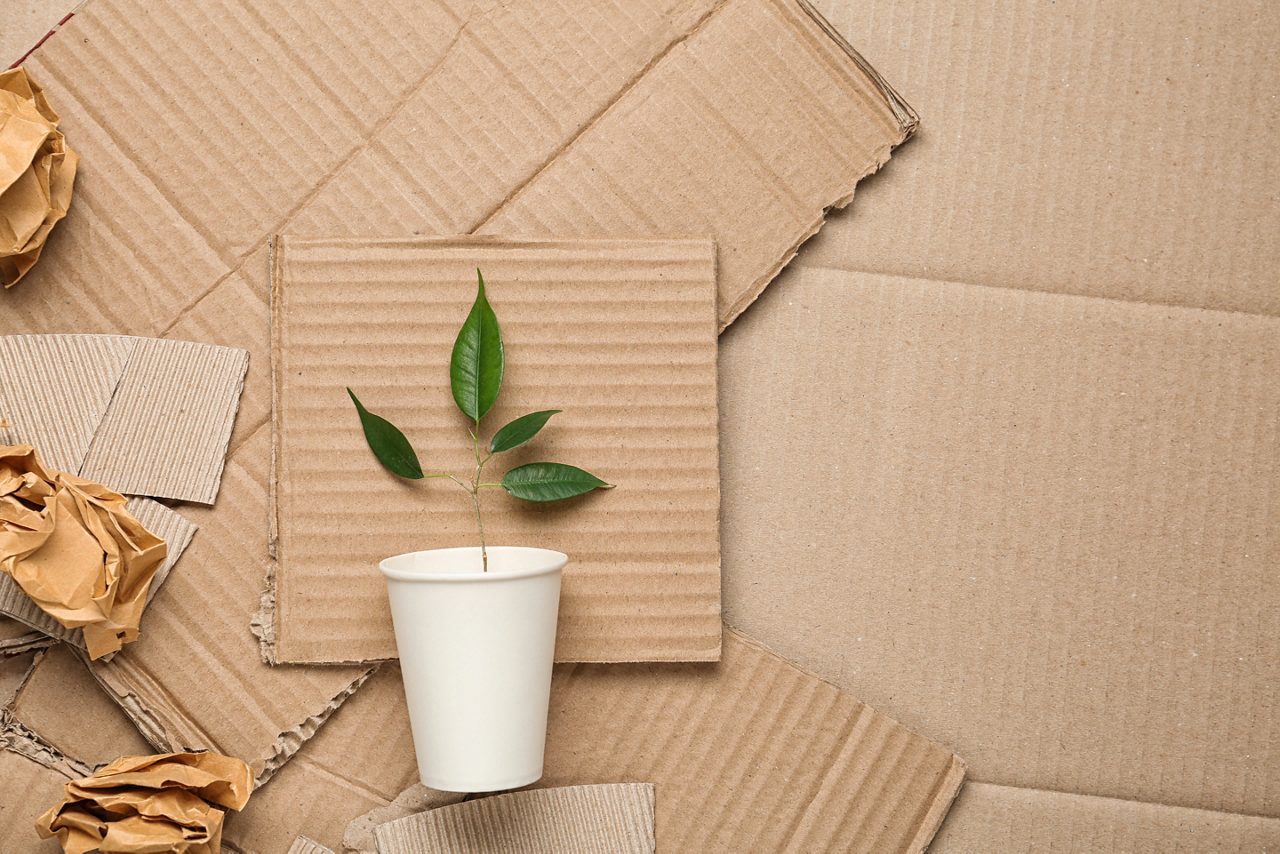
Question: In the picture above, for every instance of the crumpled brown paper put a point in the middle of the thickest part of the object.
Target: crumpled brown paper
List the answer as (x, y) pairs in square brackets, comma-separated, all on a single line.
[(71, 546), (169, 802), (37, 171)]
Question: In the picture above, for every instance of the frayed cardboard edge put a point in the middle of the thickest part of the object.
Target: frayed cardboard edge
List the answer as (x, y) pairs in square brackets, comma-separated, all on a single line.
[(291, 740), (358, 836), (25, 643), (19, 738)]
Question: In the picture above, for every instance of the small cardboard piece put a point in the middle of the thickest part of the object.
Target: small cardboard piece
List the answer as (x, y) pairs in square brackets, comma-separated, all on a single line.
[(621, 335), (175, 529), (615, 817), (17, 637), (303, 845), (143, 416)]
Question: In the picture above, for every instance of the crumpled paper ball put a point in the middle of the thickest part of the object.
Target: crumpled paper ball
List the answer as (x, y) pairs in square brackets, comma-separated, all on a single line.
[(37, 171), (171, 802), (71, 546)]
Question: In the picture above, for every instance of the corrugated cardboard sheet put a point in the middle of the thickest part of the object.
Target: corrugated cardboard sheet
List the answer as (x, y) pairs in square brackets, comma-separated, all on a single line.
[(615, 817), (142, 415), (621, 335), (749, 754), (174, 529), (190, 163)]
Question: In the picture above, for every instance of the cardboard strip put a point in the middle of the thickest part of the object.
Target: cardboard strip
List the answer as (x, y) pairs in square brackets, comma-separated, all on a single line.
[(614, 817), (173, 528), (166, 431), (621, 335), (16, 637), (55, 390)]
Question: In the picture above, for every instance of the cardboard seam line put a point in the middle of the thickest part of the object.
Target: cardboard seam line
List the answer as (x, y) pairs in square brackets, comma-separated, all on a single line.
[(1122, 800), (972, 283)]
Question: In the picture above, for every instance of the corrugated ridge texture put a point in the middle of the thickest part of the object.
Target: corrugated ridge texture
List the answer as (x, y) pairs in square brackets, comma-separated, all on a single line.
[(751, 754), (1000, 818), (1071, 502), (303, 845), (175, 529), (55, 390), (169, 424), (569, 820), (620, 335)]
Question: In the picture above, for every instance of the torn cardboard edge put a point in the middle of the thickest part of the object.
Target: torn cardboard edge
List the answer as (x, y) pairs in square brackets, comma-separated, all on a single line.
[(22, 639), (306, 845), (176, 530), (613, 817), (156, 731), (663, 381), (143, 416)]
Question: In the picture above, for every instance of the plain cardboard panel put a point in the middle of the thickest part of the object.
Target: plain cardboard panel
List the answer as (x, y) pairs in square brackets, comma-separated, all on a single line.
[(1114, 149), (1040, 527), (990, 818), (63, 704), (27, 789), (621, 335)]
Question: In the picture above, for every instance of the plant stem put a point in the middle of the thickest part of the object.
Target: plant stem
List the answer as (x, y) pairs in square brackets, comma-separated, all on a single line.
[(475, 495)]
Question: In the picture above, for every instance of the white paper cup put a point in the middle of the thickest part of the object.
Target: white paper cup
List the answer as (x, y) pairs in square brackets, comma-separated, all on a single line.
[(476, 650)]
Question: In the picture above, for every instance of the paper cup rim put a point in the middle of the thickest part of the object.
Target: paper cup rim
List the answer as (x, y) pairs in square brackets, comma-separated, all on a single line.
[(553, 561)]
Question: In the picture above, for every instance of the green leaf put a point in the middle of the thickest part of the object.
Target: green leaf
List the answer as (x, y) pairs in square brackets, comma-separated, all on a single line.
[(475, 371), (550, 482), (387, 443), (520, 431)]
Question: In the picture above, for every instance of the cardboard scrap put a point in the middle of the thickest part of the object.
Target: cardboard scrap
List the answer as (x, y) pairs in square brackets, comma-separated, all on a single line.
[(167, 430), (621, 335), (37, 172), (145, 416), (615, 817), (61, 704), (55, 391), (74, 548), (413, 800), (176, 530), (303, 845), (17, 637), (167, 802)]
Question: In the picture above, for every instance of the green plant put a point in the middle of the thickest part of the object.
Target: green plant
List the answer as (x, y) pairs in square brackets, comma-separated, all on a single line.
[(475, 375)]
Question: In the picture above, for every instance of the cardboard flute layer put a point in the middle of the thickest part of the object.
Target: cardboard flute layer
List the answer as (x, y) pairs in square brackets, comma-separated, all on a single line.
[(16, 637), (144, 416), (175, 529), (616, 817), (621, 335), (987, 817), (1056, 536), (748, 754)]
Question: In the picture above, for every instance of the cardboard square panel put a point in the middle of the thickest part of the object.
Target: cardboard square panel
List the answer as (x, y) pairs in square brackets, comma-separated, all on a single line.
[(175, 529), (620, 335), (616, 817)]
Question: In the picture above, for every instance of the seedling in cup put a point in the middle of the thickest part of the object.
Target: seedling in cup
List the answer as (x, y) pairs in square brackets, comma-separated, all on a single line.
[(475, 375)]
